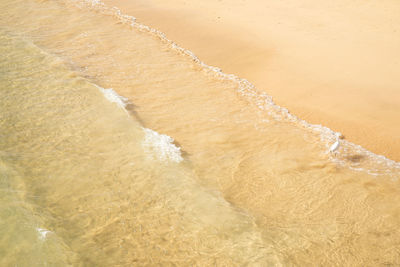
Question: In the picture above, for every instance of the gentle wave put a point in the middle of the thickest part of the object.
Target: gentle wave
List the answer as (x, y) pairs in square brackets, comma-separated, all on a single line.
[(377, 164), (157, 146)]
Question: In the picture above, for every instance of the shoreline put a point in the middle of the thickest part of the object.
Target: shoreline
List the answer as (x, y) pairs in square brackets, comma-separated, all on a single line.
[(129, 148), (367, 116)]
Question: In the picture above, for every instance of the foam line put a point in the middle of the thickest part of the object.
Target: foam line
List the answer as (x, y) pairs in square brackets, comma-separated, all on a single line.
[(160, 147)]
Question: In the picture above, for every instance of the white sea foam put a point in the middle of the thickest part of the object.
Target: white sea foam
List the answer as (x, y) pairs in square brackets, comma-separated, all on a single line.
[(113, 97), (42, 233), (160, 147), (262, 100), (114, 11)]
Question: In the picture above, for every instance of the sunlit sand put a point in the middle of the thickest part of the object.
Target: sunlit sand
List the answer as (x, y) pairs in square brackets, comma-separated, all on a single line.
[(123, 146)]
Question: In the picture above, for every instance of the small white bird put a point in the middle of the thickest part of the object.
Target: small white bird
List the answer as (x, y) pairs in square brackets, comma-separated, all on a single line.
[(335, 146)]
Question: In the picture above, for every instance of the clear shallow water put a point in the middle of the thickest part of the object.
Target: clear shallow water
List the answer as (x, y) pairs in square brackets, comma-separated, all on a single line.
[(86, 182)]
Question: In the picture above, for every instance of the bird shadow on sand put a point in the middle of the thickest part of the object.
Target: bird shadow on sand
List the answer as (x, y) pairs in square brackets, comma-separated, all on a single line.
[(357, 158)]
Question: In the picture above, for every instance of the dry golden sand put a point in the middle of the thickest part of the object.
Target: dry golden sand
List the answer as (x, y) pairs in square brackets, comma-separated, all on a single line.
[(331, 63)]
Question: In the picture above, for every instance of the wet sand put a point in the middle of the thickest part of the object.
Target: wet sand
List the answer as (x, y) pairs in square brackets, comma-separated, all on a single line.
[(334, 64)]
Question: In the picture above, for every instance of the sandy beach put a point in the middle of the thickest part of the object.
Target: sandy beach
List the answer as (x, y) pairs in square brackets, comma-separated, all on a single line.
[(119, 147), (335, 64)]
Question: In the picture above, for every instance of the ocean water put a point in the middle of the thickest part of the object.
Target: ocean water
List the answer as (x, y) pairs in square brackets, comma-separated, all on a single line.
[(120, 148)]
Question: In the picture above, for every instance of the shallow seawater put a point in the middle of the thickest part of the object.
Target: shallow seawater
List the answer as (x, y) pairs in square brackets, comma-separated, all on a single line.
[(119, 148)]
